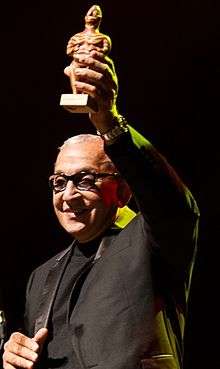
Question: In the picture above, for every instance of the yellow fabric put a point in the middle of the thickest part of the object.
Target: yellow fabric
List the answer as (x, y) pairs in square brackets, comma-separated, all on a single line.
[(124, 216)]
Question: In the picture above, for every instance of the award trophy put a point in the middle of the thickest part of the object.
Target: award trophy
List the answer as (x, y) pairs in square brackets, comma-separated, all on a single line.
[(82, 44)]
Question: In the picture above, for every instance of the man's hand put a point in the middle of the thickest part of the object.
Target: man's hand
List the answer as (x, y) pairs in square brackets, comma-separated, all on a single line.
[(21, 351), (95, 75)]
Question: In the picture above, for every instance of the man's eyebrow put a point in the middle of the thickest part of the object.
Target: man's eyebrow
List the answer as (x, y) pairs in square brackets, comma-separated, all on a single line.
[(83, 169), (88, 168)]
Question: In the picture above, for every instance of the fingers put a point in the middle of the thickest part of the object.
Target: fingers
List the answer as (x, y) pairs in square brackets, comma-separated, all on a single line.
[(105, 98), (67, 71), (101, 77), (11, 360), (9, 366), (103, 59), (94, 75), (21, 351), (103, 66)]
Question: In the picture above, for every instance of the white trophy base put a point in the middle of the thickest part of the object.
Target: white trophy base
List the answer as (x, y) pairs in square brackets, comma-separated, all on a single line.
[(78, 103)]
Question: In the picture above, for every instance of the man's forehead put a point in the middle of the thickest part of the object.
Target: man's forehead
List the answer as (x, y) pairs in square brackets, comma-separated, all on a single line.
[(82, 153), (83, 150), (84, 143)]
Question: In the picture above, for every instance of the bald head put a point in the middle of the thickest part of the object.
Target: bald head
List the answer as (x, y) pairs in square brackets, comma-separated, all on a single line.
[(84, 138), (87, 148)]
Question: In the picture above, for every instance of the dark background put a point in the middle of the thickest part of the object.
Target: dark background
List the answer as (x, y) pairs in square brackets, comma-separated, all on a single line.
[(168, 62)]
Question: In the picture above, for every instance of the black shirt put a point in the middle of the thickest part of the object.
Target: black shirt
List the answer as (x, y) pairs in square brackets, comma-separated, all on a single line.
[(59, 351)]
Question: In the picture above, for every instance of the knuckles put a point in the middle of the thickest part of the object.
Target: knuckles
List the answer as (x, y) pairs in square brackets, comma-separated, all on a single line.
[(17, 337)]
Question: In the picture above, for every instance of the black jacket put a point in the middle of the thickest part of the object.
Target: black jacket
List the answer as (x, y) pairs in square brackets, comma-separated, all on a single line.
[(132, 307)]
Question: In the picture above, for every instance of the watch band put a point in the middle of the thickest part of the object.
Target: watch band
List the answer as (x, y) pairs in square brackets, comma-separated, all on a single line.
[(110, 136)]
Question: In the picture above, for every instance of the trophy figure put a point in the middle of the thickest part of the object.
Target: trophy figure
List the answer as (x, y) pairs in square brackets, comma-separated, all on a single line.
[(82, 44)]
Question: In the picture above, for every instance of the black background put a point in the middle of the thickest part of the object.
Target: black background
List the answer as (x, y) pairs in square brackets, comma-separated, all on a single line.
[(168, 62)]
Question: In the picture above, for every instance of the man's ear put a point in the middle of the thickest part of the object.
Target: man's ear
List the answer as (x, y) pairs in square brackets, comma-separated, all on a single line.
[(123, 193)]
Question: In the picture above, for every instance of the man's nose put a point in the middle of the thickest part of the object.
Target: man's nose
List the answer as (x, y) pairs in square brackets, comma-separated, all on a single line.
[(70, 191)]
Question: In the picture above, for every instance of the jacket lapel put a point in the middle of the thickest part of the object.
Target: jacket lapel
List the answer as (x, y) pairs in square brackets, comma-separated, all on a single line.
[(55, 275), (50, 289)]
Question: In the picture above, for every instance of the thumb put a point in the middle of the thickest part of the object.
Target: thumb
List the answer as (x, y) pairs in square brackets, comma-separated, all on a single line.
[(40, 336), (67, 71)]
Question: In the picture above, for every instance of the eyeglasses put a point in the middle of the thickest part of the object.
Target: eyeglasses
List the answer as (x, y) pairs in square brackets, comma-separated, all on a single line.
[(83, 181)]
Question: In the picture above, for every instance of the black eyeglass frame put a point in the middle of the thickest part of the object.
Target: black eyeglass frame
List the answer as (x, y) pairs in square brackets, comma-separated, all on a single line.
[(75, 178)]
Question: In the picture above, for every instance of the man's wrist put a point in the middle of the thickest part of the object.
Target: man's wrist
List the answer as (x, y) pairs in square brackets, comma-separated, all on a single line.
[(104, 120), (119, 127)]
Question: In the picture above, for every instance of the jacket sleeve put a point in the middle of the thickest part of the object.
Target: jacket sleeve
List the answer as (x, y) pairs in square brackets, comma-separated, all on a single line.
[(167, 205)]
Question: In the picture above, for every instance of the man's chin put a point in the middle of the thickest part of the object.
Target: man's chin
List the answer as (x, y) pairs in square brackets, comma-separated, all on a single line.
[(75, 230)]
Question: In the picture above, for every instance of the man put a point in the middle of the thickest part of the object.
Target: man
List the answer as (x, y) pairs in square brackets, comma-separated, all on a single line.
[(117, 297)]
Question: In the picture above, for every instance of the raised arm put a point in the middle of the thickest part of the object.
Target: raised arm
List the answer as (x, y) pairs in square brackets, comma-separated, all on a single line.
[(166, 203)]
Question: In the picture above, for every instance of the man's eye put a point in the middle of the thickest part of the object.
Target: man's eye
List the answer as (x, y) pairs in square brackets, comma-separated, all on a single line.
[(87, 179), (59, 181)]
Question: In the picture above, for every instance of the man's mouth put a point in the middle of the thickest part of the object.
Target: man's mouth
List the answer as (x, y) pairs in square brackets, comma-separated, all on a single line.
[(77, 212)]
